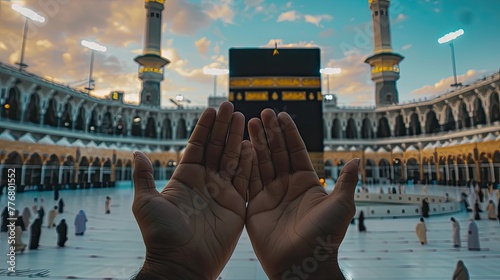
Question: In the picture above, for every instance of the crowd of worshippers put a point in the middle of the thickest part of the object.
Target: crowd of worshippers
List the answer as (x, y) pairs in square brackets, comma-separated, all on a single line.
[(23, 222)]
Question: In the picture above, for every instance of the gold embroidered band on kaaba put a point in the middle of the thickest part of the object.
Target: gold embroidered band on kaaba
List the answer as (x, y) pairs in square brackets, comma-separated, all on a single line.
[(267, 96), (269, 82)]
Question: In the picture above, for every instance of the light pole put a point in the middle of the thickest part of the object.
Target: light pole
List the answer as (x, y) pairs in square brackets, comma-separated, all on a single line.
[(215, 72), (449, 38), (329, 71), (28, 14), (93, 47)]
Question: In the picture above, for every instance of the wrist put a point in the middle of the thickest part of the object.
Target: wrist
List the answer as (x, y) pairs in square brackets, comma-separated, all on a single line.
[(311, 270), (170, 271)]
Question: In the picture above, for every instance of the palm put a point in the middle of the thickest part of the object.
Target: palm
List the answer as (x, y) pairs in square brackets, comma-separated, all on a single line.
[(191, 228), (290, 217)]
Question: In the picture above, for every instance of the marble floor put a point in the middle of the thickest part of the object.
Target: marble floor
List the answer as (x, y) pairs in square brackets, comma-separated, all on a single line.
[(112, 247)]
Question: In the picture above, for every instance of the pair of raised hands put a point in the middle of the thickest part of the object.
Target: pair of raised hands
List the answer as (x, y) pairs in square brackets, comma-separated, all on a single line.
[(223, 183)]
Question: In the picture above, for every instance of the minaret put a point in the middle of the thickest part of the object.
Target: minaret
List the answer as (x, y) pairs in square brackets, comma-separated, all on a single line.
[(151, 62), (384, 63)]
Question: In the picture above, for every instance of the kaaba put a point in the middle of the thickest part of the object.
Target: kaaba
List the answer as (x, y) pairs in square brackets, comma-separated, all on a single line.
[(285, 80)]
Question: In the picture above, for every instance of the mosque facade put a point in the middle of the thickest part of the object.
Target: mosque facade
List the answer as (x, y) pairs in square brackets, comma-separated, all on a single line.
[(57, 136)]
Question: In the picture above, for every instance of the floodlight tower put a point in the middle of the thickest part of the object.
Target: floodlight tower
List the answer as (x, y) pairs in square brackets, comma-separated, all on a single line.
[(151, 62), (384, 62)]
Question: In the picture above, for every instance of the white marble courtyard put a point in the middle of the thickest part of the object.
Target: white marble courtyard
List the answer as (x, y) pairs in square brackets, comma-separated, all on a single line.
[(112, 247)]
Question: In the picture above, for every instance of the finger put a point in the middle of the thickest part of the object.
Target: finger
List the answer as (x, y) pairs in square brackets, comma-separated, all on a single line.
[(144, 182), (218, 135), (242, 176), (231, 156), (277, 146), (198, 141), (299, 158), (346, 184), (255, 184), (259, 142)]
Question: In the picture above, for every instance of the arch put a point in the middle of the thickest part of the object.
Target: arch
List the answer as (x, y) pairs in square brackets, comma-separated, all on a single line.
[(431, 123), (452, 172), (463, 116), (167, 129), (51, 175), (369, 171), (80, 119), (485, 171), (68, 172), (118, 170), (462, 173), (33, 109), (495, 107), (107, 123), (340, 165), (471, 165), (400, 127), (50, 117), (328, 168), (384, 169), (136, 126), (449, 123), (383, 128), (33, 171), (92, 128), (479, 114), (120, 125), (10, 108), (151, 128), (196, 121), (415, 127), (66, 120), (128, 171), (336, 129), (106, 173), (413, 170), (95, 172), (181, 129), (351, 132), (397, 165), (366, 129), (496, 167), (83, 170)]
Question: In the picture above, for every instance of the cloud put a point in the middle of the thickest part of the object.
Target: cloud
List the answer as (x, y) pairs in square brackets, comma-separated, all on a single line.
[(222, 10), (202, 45), (316, 20), (443, 85), (281, 44), (407, 47), (288, 16), (353, 85), (327, 33), (400, 18)]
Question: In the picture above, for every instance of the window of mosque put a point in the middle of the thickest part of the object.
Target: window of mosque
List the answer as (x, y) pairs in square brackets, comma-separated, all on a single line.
[(152, 14), (382, 12), (157, 15), (376, 13)]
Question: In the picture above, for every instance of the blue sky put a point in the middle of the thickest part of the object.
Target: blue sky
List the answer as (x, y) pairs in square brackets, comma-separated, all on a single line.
[(197, 34)]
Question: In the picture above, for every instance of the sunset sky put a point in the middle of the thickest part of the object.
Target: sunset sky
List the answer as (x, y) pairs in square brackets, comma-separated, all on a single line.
[(198, 33)]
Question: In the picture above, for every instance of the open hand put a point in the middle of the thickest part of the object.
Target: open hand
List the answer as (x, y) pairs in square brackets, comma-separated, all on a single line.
[(295, 227), (191, 228)]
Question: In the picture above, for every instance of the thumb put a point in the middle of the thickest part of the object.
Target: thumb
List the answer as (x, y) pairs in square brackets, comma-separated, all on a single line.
[(144, 181), (346, 184)]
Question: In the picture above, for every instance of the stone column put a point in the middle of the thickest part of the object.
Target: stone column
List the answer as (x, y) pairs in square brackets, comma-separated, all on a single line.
[(492, 171), (457, 171), (467, 175), (23, 175), (447, 172)]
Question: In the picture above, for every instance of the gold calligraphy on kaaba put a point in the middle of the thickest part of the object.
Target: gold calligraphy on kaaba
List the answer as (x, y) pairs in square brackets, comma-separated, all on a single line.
[(293, 96), (282, 82), (256, 96)]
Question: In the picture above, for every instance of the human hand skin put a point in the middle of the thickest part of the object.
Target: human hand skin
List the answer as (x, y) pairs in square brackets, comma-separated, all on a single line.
[(295, 227), (191, 228)]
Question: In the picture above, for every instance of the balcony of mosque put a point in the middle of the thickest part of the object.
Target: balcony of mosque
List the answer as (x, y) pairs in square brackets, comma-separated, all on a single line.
[(423, 139)]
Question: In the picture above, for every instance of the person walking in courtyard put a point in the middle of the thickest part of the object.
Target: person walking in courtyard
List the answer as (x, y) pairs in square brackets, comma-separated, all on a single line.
[(34, 208), (36, 232), (80, 223), (26, 216), (361, 222), (41, 212), (422, 232), (52, 217), (473, 236), (425, 208), (456, 232), (461, 272), (491, 211), (498, 209), (62, 233), (106, 205), (61, 205), (477, 216)]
